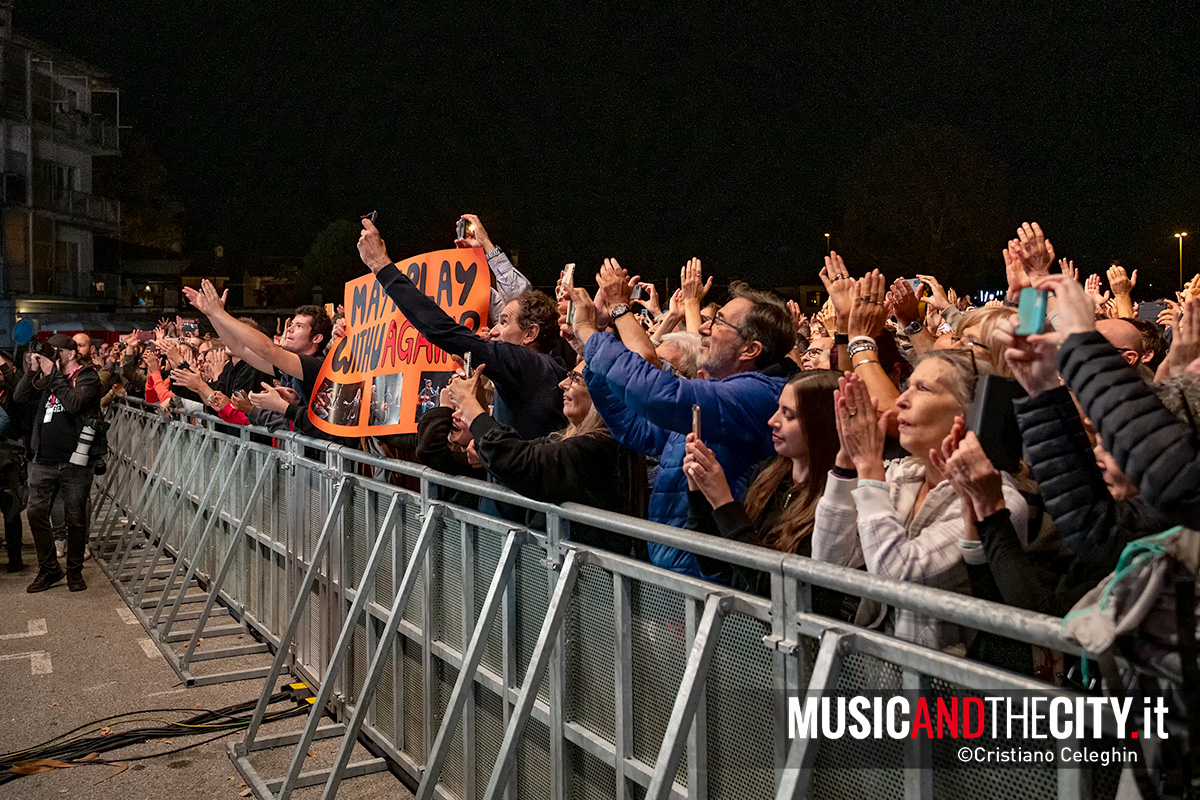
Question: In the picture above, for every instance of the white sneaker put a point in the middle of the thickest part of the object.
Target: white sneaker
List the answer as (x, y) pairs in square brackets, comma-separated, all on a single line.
[(60, 547)]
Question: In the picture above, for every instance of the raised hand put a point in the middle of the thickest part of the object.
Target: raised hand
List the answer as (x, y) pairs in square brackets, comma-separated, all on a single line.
[(1014, 271), (705, 473), (191, 379), (974, 478), (1067, 267), (841, 287), (861, 429), (271, 398), (1122, 286), (371, 247), (934, 321), (868, 314), (1185, 348), (206, 301), (616, 287), (476, 235), (464, 394), (691, 281), (1092, 288), (1076, 311), (650, 302), (904, 301), (1169, 316), (1033, 363), (938, 297), (1034, 250)]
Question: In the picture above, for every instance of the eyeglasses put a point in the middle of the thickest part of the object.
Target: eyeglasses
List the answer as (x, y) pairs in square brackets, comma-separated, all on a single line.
[(574, 377), (719, 318)]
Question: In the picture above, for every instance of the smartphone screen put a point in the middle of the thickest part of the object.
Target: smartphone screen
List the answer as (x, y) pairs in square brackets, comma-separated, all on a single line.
[(461, 229), (1031, 312)]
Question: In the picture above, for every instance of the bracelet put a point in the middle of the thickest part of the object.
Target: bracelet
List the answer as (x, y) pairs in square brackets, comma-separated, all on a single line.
[(844, 473), (865, 361), (870, 339), (862, 344), (208, 399), (868, 482)]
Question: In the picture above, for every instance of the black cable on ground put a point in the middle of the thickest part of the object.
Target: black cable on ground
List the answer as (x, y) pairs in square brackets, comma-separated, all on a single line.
[(82, 741)]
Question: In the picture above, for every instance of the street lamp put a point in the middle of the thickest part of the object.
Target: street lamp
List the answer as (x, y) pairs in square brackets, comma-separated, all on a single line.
[(1180, 236), (828, 248)]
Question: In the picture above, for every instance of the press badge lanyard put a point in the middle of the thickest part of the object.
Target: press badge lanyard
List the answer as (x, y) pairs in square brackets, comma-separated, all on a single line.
[(53, 399)]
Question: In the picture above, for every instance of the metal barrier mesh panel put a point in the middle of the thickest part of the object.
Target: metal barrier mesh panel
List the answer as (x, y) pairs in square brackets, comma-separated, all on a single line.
[(489, 734), (448, 588), (1014, 783), (356, 540), (532, 774), (533, 598), (591, 648), (412, 531), (859, 673), (385, 691), (414, 732), (741, 714), (452, 771), (359, 661), (660, 649), (488, 545), (384, 578), (587, 777)]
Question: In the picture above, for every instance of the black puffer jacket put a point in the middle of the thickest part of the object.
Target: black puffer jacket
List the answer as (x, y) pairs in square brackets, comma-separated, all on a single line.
[(1093, 525), (1157, 451)]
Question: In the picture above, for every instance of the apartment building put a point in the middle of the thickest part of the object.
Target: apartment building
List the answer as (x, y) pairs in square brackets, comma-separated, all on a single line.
[(57, 114)]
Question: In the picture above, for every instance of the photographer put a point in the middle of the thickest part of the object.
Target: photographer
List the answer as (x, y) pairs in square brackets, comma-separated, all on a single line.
[(68, 397)]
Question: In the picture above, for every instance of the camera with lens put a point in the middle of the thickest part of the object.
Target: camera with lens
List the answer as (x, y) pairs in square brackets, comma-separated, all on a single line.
[(43, 349), (92, 447)]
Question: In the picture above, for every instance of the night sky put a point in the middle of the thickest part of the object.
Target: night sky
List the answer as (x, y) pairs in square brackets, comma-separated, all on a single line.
[(651, 134)]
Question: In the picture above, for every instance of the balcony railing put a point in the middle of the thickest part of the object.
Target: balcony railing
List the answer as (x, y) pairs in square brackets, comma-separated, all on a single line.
[(81, 205), (80, 126)]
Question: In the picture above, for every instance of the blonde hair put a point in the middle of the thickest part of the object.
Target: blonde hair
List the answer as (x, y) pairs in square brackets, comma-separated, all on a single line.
[(987, 319)]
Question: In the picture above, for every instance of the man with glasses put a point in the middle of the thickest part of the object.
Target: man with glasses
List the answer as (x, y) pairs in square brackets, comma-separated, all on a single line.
[(743, 353)]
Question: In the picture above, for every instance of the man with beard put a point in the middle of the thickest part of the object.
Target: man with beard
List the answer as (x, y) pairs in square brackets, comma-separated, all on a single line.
[(743, 353)]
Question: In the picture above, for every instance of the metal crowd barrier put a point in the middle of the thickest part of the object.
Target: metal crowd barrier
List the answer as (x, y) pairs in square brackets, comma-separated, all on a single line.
[(486, 660)]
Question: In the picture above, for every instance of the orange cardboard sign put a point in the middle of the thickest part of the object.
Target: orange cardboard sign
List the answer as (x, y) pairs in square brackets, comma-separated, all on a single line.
[(382, 375)]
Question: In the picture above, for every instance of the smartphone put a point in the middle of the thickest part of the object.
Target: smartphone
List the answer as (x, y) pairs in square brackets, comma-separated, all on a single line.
[(144, 336), (1031, 312), (994, 420), (570, 312), (644, 315), (189, 327), (696, 422), (638, 292), (460, 230), (370, 216), (916, 284), (240, 394), (568, 279), (1150, 311), (467, 364)]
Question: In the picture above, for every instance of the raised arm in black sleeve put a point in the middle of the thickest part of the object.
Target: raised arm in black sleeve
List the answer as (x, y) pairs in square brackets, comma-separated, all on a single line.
[(526, 381), (1093, 525), (1156, 450)]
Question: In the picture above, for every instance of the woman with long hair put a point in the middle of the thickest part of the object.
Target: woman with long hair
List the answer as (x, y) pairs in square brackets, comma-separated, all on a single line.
[(780, 505), (582, 463)]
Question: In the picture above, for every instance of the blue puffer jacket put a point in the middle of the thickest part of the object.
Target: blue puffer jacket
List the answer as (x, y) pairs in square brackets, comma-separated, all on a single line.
[(650, 411)]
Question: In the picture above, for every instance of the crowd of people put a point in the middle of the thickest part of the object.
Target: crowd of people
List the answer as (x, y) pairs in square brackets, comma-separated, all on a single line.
[(852, 436)]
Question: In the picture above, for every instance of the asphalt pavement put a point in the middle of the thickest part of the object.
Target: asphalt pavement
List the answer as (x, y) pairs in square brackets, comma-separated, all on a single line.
[(68, 659)]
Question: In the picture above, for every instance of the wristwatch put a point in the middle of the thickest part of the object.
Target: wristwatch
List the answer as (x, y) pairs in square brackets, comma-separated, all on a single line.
[(913, 328), (619, 311)]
